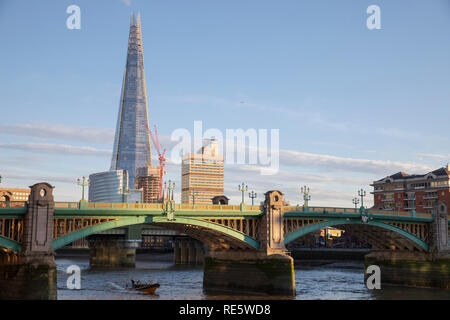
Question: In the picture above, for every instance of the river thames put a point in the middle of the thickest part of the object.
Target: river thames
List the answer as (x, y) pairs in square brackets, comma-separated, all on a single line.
[(324, 280)]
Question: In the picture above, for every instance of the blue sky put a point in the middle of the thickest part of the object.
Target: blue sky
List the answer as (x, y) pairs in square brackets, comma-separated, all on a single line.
[(353, 105)]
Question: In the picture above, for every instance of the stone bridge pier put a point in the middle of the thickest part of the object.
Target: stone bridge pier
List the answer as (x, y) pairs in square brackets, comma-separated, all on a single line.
[(107, 251), (188, 251), (267, 270), (31, 274), (414, 268)]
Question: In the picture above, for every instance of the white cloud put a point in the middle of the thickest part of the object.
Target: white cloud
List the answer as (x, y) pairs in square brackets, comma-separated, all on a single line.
[(334, 163), (31, 179), (60, 132), (435, 156), (56, 149)]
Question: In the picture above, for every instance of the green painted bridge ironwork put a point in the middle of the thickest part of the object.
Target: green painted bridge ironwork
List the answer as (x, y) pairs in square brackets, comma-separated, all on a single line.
[(221, 226)]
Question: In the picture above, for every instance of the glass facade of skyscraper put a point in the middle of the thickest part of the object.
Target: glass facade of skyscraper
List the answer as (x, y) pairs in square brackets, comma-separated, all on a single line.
[(131, 142), (107, 186)]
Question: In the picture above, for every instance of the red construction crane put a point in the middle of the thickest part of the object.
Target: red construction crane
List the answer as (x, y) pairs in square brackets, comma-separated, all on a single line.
[(162, 159)]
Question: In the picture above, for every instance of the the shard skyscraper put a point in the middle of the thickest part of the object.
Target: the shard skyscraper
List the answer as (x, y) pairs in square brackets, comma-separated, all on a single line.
[(131, 142)]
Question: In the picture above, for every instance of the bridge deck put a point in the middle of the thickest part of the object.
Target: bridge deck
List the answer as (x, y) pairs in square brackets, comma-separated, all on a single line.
[(18, 208)]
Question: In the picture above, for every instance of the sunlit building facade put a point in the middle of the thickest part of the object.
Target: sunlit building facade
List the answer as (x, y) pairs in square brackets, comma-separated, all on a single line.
[(147, 180), (13, 194), (406, 192), (202, 175)]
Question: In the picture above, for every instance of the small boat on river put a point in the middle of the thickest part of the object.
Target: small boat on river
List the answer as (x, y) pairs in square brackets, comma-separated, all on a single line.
[(146, 287)]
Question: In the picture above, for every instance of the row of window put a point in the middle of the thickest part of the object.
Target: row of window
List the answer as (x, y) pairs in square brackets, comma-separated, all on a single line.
[(421, 185)]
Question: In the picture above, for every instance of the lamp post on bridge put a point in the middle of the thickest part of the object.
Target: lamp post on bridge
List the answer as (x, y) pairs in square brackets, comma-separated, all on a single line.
[(83, 183), (169, 205), (399, 206), (252, 195), (355, 202), (362, 194), (413, 198), (1, 182), (170, 189), (306, 196), (194, 194), (124, 192), (243, 188)]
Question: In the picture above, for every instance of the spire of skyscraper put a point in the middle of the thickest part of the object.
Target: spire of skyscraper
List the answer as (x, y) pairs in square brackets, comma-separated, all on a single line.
[(132, 142)]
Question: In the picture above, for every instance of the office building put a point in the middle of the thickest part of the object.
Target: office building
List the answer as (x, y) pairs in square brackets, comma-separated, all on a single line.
[(202, 174), (112, 186)]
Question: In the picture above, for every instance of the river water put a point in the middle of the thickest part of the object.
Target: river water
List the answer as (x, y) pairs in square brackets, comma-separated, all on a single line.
[(320, 280)]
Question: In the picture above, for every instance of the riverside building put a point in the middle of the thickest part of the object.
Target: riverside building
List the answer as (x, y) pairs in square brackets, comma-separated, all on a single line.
[(406, 192)]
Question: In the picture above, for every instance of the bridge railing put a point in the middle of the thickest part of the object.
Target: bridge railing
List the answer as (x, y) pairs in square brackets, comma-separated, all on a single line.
[(67, 205), (214, 207), (353, 210), (156, 206), (321, 209), (13, 204), (402, 213)]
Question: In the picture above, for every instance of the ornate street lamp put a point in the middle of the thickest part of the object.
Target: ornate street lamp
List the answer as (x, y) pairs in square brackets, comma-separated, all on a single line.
[(413, 198), (83, 182), (124, 192), (399, 206), (362, 194), (355, 202), (252, 195), (168, 205), (243, 189), (306, 196), (194, 194), (170, 188)]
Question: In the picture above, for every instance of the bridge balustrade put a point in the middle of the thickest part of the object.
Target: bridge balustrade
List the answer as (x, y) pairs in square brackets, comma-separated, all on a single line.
[(12, 228), (67, 205), (13, 204)]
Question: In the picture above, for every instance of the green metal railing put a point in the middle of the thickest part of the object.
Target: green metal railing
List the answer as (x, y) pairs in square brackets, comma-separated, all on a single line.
[(19, 207)]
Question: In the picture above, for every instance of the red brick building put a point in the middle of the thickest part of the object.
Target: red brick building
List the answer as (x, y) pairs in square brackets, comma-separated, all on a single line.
[(402, 191)]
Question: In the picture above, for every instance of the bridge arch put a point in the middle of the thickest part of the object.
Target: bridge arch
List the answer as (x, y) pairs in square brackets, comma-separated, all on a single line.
[(10, 244), (196, 228), (342, 222)]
